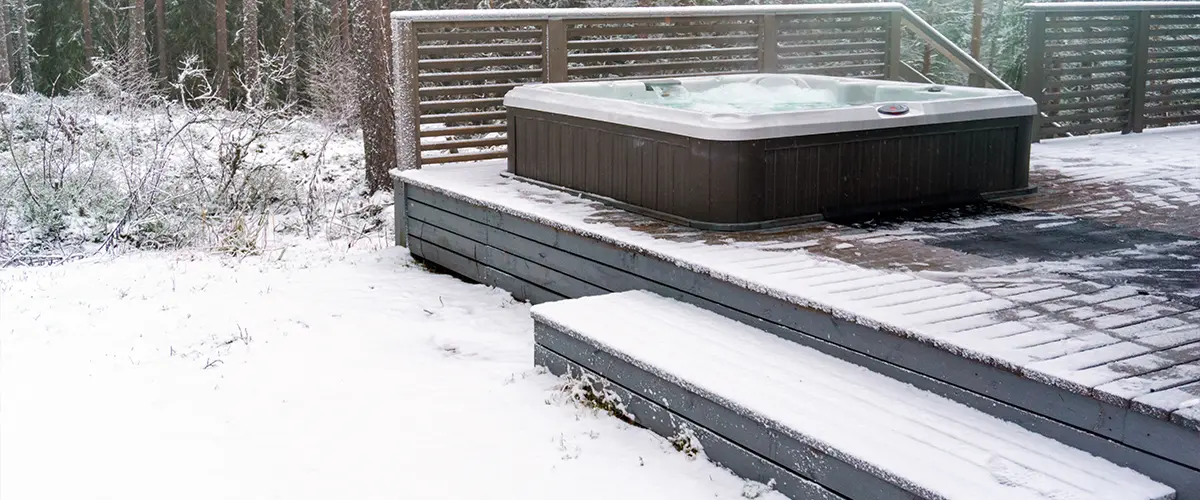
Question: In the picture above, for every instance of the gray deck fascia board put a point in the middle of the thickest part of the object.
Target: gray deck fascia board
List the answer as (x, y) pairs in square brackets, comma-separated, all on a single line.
[(762, 438), (661, 421), (495, 258), (399, 202), (466, 218), (518, 288)]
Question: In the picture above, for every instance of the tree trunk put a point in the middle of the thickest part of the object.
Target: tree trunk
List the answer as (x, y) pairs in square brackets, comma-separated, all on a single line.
[(250, 58), (976, 27), (89, 45), (385, 8), (22, 50), (289, 47), (222, 51), (342, 16), (5, 65), (160, 39), (139, 60), (994, 35), (374, 96)]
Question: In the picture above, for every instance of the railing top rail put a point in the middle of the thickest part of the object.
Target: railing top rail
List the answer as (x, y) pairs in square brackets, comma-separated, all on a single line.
[(628, 12), (1111, 6)]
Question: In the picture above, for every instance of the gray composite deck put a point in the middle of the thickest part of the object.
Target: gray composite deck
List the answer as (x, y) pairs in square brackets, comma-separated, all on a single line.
[(1096, 356)]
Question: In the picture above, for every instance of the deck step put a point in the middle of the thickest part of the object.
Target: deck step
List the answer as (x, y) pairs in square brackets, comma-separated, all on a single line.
[(859, 434)]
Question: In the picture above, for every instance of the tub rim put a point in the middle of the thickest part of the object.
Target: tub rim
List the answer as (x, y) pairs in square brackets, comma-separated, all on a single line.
[(744, 127)]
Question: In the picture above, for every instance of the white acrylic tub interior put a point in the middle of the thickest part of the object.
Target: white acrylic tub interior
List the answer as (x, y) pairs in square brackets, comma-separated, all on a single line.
[(762, 106)]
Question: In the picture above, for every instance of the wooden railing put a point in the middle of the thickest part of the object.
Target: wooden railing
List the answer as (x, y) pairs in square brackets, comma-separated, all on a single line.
[(1113, 66), (452, 68)]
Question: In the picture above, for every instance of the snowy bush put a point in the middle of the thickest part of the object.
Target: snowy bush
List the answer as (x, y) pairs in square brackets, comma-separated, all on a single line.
[(332, 85), (88, 172)]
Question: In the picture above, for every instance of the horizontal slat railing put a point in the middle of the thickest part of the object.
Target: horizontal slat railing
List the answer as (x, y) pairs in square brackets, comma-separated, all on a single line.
[(1113, 66), (452, 68)]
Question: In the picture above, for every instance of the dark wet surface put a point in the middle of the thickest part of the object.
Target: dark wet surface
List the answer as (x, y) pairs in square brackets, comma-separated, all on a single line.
[(1153, 261)]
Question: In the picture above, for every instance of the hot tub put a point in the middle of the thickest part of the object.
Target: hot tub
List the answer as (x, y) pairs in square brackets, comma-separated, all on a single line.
[(752, 151)]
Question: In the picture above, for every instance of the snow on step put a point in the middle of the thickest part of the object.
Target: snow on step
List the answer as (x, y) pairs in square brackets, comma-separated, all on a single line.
[(924, 443)]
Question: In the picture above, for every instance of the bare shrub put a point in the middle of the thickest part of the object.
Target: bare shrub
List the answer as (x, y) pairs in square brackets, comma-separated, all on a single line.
[(332, 85), (118, 78)]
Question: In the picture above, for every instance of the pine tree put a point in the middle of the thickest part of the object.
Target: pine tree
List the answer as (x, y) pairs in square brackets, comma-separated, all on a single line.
[(138, 57), (222, 72), (289, 46), (5, 65), (341, 11), (160, 39), (89, 46), (22, 52), (250, 56), (374, 95)]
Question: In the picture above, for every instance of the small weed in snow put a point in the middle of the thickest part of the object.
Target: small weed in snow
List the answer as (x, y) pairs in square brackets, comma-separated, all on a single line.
[(592, 392), (686, 442)]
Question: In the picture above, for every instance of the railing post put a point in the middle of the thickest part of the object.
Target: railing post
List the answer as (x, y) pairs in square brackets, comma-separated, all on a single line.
[(768, 44), (406, 97), (1139, 72), (1033, 84), (893, 67), (554, 51)]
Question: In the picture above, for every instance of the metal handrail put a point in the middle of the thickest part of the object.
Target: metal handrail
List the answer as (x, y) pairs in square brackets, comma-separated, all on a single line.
[(949, 49)]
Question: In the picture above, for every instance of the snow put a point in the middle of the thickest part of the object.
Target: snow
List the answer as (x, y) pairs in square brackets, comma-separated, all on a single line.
[(1162, 161), (929, 445), (311, 359), (318, 373)]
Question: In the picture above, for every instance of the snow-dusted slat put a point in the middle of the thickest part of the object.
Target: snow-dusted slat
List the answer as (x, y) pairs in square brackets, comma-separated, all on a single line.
[(1077, 342), (928, 445), (1152, 327), (1125, 389), (1087, 299), (1139, 315), (1178, 403), (1043, 295), (868, 282), (946, 296), (893, 289), (1140, 365), (963, 310)]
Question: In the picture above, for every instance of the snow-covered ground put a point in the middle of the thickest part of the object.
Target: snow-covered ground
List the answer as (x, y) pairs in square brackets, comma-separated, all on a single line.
[(323, 374), (310, 359)]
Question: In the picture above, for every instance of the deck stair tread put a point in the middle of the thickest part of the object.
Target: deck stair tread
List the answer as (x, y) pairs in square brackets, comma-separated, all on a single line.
[(1049, 327), (927, 445)]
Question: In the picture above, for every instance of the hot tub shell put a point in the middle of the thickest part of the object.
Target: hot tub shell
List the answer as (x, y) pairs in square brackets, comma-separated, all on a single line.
[(730, 171)]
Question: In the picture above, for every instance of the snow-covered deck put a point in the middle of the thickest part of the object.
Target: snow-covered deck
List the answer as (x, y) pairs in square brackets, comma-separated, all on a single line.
[(1091, 288)]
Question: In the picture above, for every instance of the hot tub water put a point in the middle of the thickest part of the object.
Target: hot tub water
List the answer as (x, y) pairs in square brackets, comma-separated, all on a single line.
[(763, 96)]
